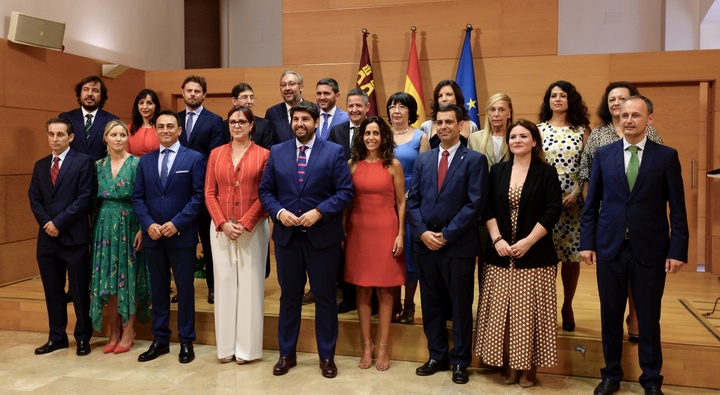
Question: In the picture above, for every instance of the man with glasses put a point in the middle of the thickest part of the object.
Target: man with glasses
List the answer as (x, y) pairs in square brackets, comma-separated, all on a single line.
[(291, 89), (243, 95)]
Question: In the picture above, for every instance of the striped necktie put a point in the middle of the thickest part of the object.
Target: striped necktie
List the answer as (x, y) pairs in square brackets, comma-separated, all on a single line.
[(55, 169), (88, 125)]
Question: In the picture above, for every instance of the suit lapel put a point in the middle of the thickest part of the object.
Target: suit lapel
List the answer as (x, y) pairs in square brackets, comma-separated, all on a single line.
[(179, 156), (97, 128), (315, 152), (618, 167), (529, 184), (64, 168), (197, 125), (433, 168), (648, 156), (457, 160)]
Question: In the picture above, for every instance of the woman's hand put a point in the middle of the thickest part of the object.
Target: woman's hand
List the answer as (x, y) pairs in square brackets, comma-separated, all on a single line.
[(137, 243), (521, 247), (231, 230), (503, 248), (398, 245), (570, 200)]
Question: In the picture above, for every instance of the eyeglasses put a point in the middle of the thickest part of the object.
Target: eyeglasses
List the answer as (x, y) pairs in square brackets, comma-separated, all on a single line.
[(234, 124), (245, 97), (288, 84), (398, 107)]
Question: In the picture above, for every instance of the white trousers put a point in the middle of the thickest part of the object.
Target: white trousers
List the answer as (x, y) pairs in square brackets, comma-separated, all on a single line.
[(240, 291)]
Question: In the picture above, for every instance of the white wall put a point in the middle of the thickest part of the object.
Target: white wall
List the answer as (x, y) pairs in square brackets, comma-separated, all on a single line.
[(251, 33), (144, 34)]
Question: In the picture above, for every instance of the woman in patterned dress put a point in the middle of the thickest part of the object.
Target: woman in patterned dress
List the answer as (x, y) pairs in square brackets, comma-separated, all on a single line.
[(120, 278), (609, 132), (517, 311), (564, 126)]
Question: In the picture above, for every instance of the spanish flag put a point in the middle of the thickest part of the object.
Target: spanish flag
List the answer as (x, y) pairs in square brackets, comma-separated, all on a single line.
[(413, 83), (365, 79)]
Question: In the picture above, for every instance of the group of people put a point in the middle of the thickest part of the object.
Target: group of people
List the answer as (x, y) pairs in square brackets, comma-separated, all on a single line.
[(365, 206)]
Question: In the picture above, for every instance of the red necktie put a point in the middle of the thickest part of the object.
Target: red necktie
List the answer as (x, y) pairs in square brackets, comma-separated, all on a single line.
[(442, 169), (55, 170)]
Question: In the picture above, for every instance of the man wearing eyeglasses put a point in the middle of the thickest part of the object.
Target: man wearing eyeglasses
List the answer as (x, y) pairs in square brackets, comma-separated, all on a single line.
[(243, 95), (291, 89)]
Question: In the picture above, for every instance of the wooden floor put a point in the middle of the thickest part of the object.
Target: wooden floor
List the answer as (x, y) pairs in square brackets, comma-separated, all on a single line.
[(691, 342)]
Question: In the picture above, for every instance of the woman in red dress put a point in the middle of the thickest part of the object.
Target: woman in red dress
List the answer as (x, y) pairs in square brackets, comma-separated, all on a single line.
[(143, 138)]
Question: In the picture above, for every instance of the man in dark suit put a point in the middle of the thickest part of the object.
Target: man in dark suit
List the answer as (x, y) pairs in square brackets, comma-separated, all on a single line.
[(448, 192), (90, 119), (630, 240), (61, 192), (202, 131), (167, 199), (305, 188), (291, 89), (328, 92), (358, 105), (243, 95)]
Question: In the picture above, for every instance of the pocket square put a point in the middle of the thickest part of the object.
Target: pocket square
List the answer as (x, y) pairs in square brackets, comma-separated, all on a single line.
[(182, 171)]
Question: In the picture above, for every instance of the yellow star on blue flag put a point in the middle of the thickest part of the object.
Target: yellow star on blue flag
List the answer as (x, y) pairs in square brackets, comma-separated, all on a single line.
[(465, 78)]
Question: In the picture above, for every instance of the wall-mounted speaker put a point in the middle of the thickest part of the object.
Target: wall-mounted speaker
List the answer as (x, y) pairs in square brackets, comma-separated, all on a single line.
[(30, 30)]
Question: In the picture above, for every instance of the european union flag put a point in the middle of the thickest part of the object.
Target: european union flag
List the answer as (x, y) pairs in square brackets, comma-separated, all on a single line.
[(465, 78)]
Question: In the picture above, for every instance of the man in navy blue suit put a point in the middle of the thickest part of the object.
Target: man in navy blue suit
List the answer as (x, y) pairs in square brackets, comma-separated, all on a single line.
[(448, 192), (631, 241), (61, 192), (243, 95), (305, 188), (291, 89), (328, 92), (90, 119), (202, 131), (167, 199)]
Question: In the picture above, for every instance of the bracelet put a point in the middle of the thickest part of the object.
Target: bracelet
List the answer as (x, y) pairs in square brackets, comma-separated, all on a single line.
[(497, 239)]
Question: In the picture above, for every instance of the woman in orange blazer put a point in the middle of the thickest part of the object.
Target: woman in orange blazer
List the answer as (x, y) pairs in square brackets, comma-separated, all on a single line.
[(240, 244)]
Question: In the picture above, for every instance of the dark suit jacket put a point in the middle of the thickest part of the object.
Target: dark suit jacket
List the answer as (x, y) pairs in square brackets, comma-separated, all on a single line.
[(540, 202), (643, 212), (327, 187), (278, 117), (179, 202), (67, 204), (94, 145), (207, 133), (340, 134), (264, 135), (456, 208)]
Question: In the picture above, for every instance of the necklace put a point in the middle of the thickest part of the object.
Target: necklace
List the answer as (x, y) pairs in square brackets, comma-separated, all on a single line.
[(399, 133)]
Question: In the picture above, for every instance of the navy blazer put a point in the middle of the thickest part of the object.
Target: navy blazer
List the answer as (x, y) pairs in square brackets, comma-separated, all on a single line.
[(456, 208), (340, 134), (642, 212), (207, 133), (264, 135), (94, 145), (327, 187), (179, 202), (278, 117), (68, 203), (540, 202)]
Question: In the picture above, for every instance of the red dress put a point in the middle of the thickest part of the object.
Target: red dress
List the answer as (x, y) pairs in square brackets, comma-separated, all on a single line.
[(372, 229), (144, 141)]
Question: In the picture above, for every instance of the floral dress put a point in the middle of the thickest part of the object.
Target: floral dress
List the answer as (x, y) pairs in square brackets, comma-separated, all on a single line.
[(116, 267)]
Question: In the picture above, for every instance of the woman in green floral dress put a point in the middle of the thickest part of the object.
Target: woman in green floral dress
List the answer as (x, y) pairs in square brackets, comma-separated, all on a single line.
[(120, 278)]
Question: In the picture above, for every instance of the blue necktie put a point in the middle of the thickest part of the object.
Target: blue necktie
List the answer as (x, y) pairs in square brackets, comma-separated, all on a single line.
[(189, 125), (324, 131), (164, 166)]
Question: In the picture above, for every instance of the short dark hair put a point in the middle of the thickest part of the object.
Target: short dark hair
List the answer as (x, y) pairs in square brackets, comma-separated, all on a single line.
[(247, 112), (331, 82), (537, 152), (406, 100), (648, 102), (137, 119), (171, 113), (307, 107), (603, 110), (94, 79), (459, 113), (359, 92), (577, 112), (62, 121), (195, 78), (240, 88)]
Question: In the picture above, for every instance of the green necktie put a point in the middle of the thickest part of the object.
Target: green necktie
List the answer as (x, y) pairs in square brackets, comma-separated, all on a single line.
[(633, 166)]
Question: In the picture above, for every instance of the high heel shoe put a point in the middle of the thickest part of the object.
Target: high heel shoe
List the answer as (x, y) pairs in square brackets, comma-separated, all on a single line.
[(382, 366), (632, 337), (122, 349), (364, 364), (408, 316), (568, 324), (511, 376), (110, 347)]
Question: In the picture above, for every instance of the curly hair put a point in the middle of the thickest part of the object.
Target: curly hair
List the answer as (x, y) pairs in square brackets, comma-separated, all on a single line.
[(137, 119), (577, 113), (604, 110), (386, 152)]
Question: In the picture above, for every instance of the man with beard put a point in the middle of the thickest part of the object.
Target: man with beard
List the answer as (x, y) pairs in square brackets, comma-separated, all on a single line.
[(305, 188), (243, 95), (89, 120), (328, 92), (202, 132), (291, 88)]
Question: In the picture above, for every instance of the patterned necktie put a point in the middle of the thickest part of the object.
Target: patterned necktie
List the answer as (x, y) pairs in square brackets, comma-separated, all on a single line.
[(633, 166), (55, 169), (301, 164), (443, 168), (353, 129), (164, 167), (325, 127), (88, 125), (189, 125)]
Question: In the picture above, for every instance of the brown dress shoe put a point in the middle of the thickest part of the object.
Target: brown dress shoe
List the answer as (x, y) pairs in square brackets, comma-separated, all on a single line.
[(328, 368), (284, 364)]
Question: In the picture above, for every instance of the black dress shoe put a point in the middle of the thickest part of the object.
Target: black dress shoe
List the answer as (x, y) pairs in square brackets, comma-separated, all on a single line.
[(460, 374), (284, 364), (653, 391), (51, 346), (83, 348), (174, 299), (187, 353), (607, 387), (346, 306), (211, 295), (328, 368), (431, 367), (156, 349)]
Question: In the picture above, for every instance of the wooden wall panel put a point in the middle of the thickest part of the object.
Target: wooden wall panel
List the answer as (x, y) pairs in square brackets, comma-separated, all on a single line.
[(329, 34), (18, 261), (17, 222)]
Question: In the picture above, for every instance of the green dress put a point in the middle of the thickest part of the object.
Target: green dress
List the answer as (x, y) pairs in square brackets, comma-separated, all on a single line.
[(117, 269)]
